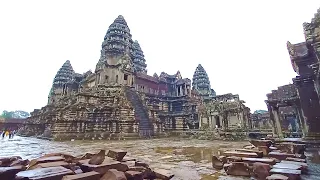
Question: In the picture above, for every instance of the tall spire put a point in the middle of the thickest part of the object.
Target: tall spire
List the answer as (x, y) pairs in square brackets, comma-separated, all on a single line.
[(138, 58), (117, 41), (65, 74), (201, 82)]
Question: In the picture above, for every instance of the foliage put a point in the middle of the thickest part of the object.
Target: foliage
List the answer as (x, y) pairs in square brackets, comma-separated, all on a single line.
[(260, 112), (14, 114)]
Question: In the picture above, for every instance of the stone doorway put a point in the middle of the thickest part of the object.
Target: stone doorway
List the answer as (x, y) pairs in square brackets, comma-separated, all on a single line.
[(218, 122)]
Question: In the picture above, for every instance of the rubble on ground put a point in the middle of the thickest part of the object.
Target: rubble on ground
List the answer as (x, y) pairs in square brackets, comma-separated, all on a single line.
[(264, 159), (113, 165)]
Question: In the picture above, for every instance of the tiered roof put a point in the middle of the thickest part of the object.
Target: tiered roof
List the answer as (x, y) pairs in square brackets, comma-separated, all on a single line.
[(201, 82), (64, 75)]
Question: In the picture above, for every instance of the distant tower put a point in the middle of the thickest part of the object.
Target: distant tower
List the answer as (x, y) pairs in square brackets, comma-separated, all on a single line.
[(201, 83), (139, 62), (63, 76), (117, 41)]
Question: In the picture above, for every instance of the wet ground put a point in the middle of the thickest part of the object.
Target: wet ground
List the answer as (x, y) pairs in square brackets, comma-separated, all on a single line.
[(187, 159)]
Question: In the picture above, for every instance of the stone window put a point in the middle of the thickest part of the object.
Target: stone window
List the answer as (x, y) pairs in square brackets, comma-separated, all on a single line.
[(116, 78), (125, 77)]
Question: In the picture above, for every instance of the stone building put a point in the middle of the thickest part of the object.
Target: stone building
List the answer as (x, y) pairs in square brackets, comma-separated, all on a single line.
[(225, 111), (118, 98), (305, 59), (261, 120)]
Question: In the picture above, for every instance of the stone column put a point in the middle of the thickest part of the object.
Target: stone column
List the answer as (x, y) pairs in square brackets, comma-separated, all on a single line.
[(276, 115), (300, 119), (275, 118), (185, 89), (310, 106), (177, 87)]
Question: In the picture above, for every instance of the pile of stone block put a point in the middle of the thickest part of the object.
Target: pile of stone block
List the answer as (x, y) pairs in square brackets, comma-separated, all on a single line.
[(113, 165), (264, 159)]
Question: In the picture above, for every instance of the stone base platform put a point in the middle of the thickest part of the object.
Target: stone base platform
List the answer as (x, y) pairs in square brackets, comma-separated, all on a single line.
[(97, 136)]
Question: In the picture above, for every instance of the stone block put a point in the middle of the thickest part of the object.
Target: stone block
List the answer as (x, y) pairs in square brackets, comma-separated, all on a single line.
[(44, 173), (117, 154), (265, 150), (277, 177), (287, 166), (240, 154), (134, 175), (163, 174), (261, 170), (260, 160), (296, 159), (258, 152), (50, 164), (102, 168), (216, 163), (258, 143), (113, 174), (238, 169), (83, 176), (282, 156), (10, 172), (290, 173)]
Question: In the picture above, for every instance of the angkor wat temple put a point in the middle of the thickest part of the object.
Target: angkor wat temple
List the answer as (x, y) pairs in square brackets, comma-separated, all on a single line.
[(120, 98), (302, 98)]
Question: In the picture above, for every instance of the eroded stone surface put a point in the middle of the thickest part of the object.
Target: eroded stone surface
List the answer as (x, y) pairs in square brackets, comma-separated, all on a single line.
[(83, 176), (277, 177), (10, 172), (292, 174), (44, 173), (240, 154), (238, 169), (102, 168), (282, 156), (258, 152), (258, 143), (261, 160), (117, 154), (114, 174), (261, 170), (163, 174), (217, 163)]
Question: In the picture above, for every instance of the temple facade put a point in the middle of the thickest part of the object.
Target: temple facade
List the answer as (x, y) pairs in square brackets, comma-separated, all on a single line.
[(284, 111), (304, 93), (225, 111), (118, 98)]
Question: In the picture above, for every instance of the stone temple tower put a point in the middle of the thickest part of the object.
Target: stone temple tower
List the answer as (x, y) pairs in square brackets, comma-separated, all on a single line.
[(115, 66), (117, 41), (139, 62), (201, 83), (63, 76)]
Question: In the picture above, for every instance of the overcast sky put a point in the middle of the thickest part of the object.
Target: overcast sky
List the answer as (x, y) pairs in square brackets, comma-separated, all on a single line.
[(241, 44)]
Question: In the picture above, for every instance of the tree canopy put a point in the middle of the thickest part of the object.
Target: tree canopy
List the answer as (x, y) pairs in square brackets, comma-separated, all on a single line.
[(18, 114)]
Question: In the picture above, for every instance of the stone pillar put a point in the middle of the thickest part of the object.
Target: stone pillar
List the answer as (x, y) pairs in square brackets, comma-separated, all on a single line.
[(310, 106), (275, 118), (300, 119), (177, 87), (185, 89)]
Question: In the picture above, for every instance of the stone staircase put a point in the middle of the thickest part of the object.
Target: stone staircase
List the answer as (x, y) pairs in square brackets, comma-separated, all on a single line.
[(141, 113)]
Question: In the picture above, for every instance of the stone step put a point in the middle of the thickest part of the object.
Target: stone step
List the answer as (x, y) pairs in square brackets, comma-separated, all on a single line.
[(259, 153), (240, 154), (283, 156), (290, 173)]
